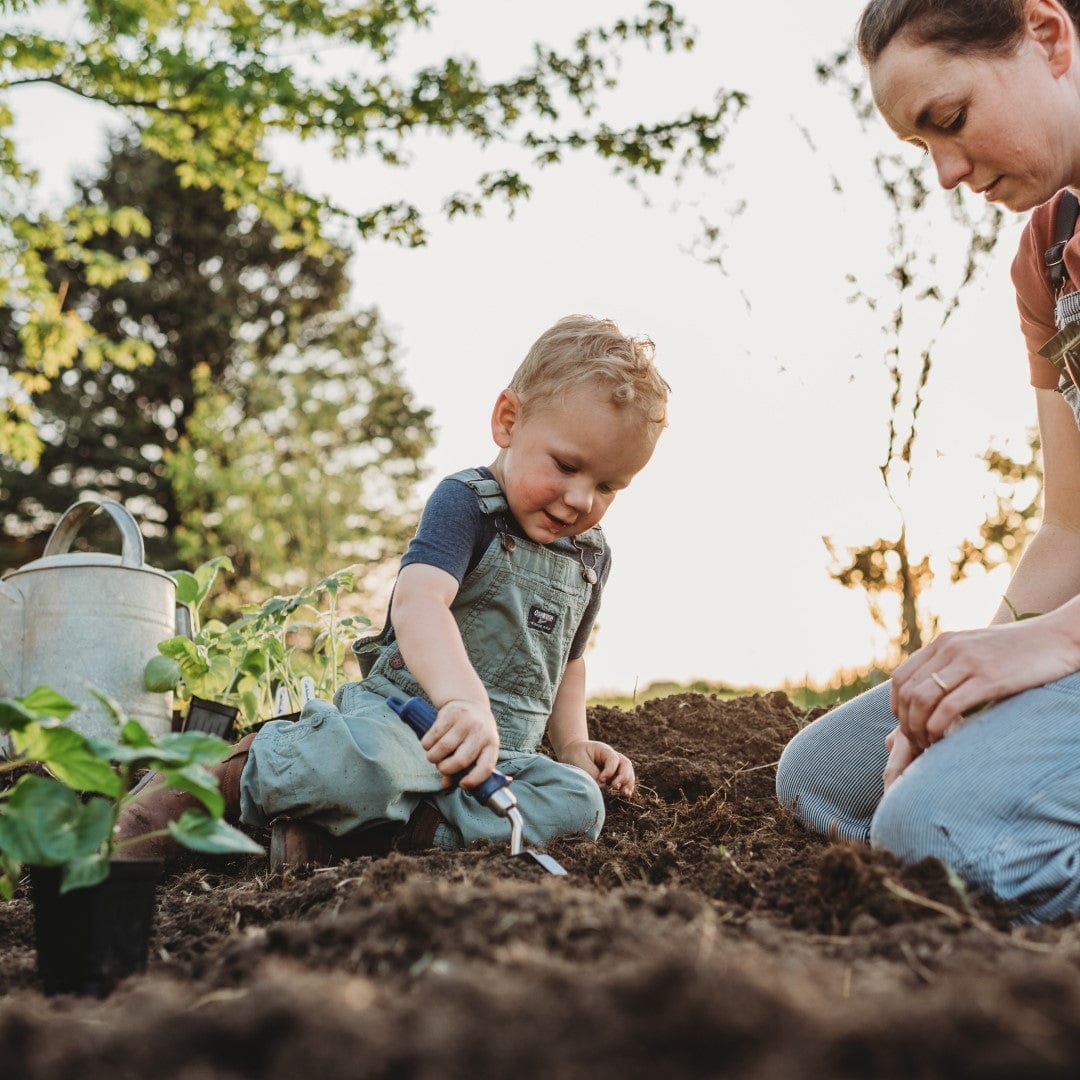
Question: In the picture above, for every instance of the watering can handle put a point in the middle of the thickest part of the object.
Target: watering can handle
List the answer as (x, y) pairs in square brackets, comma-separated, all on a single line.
[(133, 552)]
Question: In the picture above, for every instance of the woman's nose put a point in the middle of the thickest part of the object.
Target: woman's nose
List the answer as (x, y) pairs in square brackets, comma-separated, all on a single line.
[(952, 165)]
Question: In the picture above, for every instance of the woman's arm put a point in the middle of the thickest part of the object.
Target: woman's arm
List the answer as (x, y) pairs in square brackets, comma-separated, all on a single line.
[(934, 690), (1049, 573)]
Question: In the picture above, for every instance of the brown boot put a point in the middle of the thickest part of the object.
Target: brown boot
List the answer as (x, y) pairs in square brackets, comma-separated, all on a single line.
[(296, 843), (155, 806)]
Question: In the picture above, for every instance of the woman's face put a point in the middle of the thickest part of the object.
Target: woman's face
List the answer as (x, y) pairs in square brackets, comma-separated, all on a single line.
[(1007, 126)]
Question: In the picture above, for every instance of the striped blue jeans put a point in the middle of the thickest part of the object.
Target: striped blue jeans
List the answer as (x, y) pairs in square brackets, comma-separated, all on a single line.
[(998, 800)]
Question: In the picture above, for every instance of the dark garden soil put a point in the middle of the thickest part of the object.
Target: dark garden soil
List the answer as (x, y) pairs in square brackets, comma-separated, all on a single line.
[(706, 934)]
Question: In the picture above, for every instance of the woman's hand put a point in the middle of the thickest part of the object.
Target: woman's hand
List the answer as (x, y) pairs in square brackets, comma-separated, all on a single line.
[(935, 690), (901, 755)]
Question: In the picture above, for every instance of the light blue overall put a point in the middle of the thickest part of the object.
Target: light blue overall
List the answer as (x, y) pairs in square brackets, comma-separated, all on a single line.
[(356, 763), (998, 800)]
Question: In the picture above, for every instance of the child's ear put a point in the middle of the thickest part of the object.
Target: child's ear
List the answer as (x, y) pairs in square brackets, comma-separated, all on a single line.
[(504, 417)]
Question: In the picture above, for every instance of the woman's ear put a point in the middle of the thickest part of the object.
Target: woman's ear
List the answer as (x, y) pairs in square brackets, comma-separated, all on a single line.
[(1051, 27), (505, 417)]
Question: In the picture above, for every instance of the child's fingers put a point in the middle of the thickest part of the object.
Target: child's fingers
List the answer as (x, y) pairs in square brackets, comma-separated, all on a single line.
[(609, 767), (624, 781), (483, 762)]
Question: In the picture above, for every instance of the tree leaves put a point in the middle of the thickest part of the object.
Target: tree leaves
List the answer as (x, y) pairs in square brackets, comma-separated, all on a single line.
[(208, 86)]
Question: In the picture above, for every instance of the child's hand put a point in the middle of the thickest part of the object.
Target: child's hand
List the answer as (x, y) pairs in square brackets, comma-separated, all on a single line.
[(603, 763), (464, 734)]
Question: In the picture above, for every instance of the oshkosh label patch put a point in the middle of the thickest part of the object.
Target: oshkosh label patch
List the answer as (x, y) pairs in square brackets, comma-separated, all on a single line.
[(539, 619)]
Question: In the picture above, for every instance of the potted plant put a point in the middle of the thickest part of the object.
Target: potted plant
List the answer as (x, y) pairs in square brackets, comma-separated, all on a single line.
[(92, 907), (255, 667)]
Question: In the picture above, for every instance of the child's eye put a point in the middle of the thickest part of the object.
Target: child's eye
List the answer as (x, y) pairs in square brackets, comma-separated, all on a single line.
[(563, 467), (606, 489)]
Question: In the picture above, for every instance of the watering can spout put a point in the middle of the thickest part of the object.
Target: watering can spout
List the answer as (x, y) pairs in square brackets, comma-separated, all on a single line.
[(11, 639)]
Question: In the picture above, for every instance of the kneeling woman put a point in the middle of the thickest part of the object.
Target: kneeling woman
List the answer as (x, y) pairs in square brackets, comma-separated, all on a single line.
[(971, 753)]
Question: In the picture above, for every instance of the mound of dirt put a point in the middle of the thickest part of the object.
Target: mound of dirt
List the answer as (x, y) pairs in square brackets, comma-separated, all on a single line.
[(706, 933)]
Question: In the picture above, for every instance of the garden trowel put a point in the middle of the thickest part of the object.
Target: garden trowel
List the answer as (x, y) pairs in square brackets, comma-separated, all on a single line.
[(494, 792)]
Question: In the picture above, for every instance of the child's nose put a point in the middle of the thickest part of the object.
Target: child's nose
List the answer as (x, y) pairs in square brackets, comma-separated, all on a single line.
[(579, 497)]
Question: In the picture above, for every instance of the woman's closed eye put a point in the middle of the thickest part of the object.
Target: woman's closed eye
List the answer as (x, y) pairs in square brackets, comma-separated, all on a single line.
[(955, 123)]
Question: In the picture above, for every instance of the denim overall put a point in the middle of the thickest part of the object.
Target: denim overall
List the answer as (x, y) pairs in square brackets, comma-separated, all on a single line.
[(355, 763)]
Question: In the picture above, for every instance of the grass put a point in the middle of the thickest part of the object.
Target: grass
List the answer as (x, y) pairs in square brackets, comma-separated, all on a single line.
[(806, 695)]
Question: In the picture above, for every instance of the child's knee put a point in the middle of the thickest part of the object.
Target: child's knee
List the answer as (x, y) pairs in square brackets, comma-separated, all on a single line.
[(575, 809), (588, 804)]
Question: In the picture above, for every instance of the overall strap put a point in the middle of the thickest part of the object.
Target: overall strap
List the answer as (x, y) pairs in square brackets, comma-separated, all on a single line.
[(487, 491), (1064, 226)]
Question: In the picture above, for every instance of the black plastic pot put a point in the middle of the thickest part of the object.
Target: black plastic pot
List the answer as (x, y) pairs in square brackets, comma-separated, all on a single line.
[(292, 717), (212, 717), (89, 939)]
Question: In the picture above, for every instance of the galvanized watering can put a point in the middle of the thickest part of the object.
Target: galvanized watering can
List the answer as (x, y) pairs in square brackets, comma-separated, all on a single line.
[(72, 620)]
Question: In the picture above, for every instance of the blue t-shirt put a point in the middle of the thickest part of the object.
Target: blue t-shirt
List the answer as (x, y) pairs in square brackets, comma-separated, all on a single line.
[(454, 533)]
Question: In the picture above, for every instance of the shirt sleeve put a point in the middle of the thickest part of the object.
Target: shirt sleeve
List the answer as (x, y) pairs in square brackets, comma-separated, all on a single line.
[(1034, 297), (451, 528)]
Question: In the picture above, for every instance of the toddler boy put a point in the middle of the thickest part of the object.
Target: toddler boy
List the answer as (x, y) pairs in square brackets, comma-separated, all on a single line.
[(489, 621)]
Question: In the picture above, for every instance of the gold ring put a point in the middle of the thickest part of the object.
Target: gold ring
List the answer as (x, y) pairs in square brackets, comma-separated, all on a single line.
[(940, 681)]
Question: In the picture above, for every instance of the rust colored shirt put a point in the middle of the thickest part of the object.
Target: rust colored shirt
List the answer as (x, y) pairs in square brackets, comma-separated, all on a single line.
[(1034, 297)]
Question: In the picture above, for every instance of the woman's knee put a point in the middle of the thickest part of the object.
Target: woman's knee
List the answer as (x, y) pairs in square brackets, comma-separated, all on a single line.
[(796, 768), (829, 775), (1026, 854)]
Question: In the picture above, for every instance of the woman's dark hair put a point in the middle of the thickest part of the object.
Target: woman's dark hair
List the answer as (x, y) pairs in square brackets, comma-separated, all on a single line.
[(986, 26)]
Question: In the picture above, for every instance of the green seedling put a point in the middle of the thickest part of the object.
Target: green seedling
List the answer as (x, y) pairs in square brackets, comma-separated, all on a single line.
[(68, 818), (270, 646)]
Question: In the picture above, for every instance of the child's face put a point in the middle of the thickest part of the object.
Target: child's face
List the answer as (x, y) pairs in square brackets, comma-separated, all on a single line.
[(561, 466)]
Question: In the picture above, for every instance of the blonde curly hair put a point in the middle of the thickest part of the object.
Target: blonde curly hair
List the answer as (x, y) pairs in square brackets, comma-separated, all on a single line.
[(581, 349)]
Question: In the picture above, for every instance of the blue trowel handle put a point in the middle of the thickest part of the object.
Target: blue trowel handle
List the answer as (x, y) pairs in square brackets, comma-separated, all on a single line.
[(420, 715)]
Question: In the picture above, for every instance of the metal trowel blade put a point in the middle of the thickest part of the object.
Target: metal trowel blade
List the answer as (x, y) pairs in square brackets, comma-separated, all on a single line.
[(552, 866)]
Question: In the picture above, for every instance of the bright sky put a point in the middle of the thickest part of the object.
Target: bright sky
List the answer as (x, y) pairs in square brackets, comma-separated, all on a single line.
[(779, 411)]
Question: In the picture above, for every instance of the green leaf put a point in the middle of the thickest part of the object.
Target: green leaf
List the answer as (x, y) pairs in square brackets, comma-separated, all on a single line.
[(70, 757), (43, 823), (207, 572), (161, 675), (134, 734), (14, 716), (85, 871), (195, 747), (10, 872), (41, 705), (179, 648), (203, 833), (197, 781), (187, 587), (44, 702), (112, 707)]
